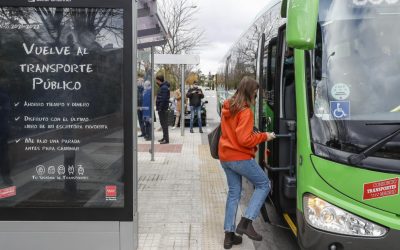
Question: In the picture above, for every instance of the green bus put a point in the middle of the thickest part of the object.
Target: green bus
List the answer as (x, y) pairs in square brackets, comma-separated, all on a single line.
[(329, 73)]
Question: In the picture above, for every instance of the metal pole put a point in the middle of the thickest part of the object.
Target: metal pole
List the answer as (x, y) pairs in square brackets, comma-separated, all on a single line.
[(183, 100), (216, 82), (152, 103), (135, 137)]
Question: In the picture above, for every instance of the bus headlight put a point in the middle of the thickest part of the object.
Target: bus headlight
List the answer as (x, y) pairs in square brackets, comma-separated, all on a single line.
[(325, 216)]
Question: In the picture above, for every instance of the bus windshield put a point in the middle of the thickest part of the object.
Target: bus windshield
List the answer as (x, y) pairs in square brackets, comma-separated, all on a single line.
[(357, 75)]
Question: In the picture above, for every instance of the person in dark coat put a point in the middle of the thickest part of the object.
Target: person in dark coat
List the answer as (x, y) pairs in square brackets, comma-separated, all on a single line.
[(162, 104), (195, 94), (147, 110), (140, 89)]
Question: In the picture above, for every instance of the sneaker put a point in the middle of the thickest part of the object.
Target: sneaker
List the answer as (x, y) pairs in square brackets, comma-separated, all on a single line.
[(161, 140), (201, 131), (191, 130), (164, 142), (173, 127)]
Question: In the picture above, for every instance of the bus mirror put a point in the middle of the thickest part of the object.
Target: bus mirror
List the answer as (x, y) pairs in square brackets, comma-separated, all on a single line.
[(302, 18)]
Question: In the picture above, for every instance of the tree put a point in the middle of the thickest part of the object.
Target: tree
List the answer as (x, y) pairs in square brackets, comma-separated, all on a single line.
[(184, 35), (202, 80), (191, 78)]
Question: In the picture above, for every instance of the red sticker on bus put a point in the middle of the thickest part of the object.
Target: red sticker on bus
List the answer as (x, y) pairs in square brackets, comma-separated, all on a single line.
[(8, 192), (381, 189), (111, 192)]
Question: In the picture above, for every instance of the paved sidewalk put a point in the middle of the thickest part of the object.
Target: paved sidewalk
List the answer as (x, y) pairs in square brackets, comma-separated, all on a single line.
[(182, 195)]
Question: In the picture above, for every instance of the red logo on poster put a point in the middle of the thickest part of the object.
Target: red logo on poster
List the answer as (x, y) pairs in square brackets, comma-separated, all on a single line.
[(111, 192), (381, 189), (8, 192)]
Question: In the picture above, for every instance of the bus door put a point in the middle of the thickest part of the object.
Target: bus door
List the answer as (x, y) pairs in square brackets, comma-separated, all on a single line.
[(259, 115), (268, 95), (282, 101)]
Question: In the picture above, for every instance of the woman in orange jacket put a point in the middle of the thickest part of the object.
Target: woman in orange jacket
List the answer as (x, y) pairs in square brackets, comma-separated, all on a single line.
[(237, 148)]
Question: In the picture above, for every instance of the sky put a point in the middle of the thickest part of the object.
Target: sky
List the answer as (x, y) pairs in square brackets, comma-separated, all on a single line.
[(223, 21)]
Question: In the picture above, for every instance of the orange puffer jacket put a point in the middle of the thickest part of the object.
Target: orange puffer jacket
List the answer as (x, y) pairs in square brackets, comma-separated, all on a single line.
[(238, 141)]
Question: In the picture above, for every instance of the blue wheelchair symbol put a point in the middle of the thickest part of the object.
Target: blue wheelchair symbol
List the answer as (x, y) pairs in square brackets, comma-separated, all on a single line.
[(340, 109)]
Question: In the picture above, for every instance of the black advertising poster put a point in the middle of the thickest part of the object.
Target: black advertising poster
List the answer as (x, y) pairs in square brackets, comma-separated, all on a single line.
[(61, 107)]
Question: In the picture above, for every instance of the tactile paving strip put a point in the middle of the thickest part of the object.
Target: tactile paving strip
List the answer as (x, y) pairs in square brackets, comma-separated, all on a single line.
[(161, 148), (213, 199)]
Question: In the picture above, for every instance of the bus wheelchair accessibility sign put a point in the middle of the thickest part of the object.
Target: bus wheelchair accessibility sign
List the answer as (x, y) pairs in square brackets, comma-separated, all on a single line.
[(340, 110)]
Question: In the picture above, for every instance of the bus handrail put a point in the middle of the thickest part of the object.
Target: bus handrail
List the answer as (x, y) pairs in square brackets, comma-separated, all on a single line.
[(284, 135), (277, 169)]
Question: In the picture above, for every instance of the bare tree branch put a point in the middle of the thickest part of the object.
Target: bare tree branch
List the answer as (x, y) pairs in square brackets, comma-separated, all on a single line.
[(184, 35)]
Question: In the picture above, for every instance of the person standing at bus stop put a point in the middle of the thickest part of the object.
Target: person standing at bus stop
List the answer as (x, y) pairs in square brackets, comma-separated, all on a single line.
[(147, 110), (162, 104), (195, 94), (140, 89), (237, 148), (178, 109)]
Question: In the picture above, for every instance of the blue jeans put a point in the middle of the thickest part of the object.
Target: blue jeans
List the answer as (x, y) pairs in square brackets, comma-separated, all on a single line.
[(194, 109), (141, 122), (234, 171)]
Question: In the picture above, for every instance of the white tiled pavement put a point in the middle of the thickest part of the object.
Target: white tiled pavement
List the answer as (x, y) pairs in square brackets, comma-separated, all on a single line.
[(182, 198)]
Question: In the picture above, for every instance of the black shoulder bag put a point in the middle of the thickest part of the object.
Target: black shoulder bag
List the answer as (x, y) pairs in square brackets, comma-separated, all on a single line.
[(213, 141)]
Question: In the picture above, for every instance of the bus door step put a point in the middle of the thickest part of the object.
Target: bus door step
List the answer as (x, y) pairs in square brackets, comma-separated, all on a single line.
[(265, 215), (289, 186)]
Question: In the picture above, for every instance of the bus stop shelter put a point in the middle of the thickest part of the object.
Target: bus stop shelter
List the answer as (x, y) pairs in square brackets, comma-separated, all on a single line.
[(162, 59), (68, 176)]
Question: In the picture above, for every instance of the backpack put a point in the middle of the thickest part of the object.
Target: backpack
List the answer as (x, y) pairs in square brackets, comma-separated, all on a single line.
[(213, 141)]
